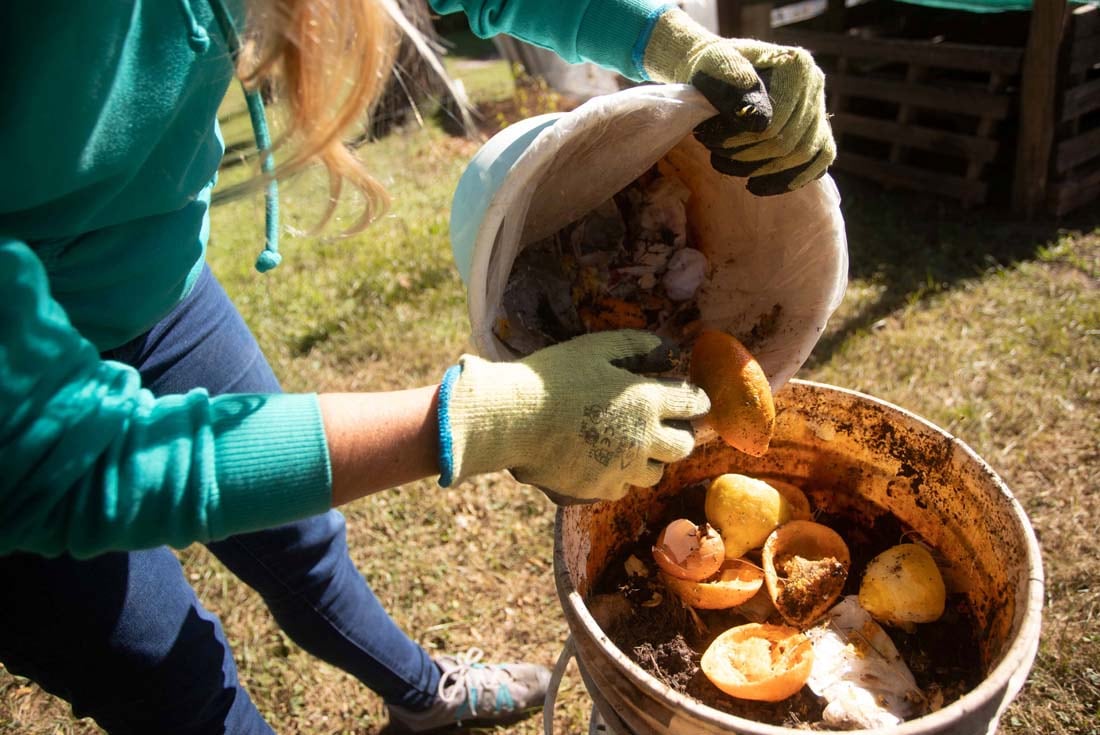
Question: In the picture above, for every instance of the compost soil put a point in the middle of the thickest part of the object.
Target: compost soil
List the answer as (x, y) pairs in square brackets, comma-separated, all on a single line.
[(667, 639)]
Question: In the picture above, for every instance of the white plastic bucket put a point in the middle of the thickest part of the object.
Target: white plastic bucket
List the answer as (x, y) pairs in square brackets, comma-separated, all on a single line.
[(778, 265)]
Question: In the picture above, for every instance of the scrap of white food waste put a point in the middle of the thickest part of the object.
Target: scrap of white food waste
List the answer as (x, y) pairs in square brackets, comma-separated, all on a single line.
[(859, 672), (686, 270), (664, 210), (659, 226)]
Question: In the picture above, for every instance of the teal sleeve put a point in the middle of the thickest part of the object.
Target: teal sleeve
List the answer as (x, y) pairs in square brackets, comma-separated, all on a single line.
[(93, 462), (611, 33)]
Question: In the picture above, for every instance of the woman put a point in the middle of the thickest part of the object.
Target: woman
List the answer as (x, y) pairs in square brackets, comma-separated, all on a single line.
[(136, 410)]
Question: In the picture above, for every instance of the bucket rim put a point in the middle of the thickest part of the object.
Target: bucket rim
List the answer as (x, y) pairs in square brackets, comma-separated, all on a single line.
[(1003, 682)]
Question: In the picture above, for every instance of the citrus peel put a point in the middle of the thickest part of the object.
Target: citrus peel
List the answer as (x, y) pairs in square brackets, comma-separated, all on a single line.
[(805, 567), (800, 504), (734, 584), (759, 661), (742, 410)]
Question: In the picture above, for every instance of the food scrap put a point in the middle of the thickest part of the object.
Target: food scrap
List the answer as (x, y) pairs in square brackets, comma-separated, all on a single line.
[(742, 408), (744, 510), (687, 551), (775, 630), (903, 586), (859, 671), (759, 661), (627, 264), (805, 568)]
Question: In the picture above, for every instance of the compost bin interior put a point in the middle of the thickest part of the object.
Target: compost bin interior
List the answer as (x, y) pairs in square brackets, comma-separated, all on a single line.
[(876, 473)]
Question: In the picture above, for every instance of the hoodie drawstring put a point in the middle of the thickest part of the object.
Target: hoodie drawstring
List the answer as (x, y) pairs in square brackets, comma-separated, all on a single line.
[(197, 37), (269, 256)]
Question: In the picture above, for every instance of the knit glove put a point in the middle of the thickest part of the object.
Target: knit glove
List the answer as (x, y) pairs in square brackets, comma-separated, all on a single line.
[(567, 418), (771, 125)]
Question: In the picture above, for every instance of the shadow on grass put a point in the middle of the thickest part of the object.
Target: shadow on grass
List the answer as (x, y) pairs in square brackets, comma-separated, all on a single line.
[(915, 246)]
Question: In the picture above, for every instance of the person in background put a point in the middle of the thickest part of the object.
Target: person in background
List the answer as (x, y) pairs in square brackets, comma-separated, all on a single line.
[(137, 412)]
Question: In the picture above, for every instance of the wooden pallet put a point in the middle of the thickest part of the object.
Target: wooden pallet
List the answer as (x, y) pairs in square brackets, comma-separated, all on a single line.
[(1075, 160), (916, 114), (1011, 113)]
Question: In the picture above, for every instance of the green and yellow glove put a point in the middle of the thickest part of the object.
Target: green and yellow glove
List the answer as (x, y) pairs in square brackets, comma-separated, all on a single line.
[(771, 126), (567, 418)]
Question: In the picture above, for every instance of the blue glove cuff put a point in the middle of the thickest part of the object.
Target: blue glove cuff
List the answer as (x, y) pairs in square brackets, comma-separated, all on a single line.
[(446, 440)]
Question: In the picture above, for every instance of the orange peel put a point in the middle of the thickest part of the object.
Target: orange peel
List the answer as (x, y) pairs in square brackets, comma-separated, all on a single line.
[(735, 584), (805, 567), (612, 313), (742, 411), (800, 504), (759, 661)]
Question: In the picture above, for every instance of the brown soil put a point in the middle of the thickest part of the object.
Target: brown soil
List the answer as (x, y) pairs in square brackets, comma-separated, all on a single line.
[(667, 639)]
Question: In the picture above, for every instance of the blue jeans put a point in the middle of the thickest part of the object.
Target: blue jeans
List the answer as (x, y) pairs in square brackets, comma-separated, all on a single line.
[(122, 636)]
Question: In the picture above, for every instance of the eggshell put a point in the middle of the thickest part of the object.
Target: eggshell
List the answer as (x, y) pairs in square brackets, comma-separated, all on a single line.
[(687, 551)]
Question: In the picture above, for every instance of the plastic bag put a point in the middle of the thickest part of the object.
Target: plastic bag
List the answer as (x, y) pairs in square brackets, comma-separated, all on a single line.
[(777, 266)]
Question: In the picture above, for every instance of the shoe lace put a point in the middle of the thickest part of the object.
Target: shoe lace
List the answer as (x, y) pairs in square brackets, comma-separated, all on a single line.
[(469, 678)]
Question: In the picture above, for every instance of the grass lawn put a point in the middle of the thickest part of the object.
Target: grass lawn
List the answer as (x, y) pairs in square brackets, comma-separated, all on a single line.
[(986, 326)]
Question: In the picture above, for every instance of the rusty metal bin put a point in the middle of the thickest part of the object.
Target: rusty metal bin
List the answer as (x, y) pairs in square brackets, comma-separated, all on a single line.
[(880, 457)]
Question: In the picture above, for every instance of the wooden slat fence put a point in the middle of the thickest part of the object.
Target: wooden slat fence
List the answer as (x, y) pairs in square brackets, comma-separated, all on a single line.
[(1075, 163), (916, 114)]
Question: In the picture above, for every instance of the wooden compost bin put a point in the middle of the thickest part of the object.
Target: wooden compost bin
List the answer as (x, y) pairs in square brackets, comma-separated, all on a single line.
[(990, 107), (1075, 159)]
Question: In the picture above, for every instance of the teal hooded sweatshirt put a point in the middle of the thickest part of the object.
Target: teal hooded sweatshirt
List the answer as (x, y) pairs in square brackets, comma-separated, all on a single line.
[(109, 148)]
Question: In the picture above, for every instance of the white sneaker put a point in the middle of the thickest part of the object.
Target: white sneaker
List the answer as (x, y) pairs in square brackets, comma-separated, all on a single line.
[(473, 694)]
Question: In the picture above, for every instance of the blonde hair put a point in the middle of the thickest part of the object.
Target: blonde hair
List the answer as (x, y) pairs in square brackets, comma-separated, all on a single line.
[(327, 61)]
